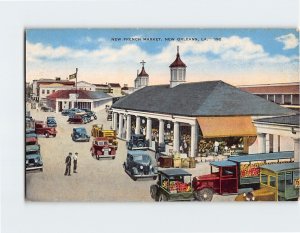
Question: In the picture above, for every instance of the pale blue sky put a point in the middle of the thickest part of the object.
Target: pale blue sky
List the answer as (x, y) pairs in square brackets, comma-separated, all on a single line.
[(237, 56)]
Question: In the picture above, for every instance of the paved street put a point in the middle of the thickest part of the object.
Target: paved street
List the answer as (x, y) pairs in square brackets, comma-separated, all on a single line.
[(96, 180)]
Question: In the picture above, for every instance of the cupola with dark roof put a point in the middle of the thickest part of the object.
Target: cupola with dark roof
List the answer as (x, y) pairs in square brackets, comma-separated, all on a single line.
[(177, 70), (142, 79)]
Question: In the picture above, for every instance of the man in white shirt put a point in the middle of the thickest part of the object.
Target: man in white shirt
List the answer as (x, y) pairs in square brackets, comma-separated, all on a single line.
[(216, 147)]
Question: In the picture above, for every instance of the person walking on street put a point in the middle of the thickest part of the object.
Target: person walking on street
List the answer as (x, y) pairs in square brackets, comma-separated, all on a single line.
[(216, 147), (75, 162), (68, 164)]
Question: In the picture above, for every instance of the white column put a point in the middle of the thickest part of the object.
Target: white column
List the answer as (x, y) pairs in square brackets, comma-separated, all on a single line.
[(176, 137), (149, 131), (161, 131), (275, 143), (296, 150), (124, 127), (128, 128), (120, 125), (56, 106), (261, 137), (115, 123), (194, 140), (138, 125)]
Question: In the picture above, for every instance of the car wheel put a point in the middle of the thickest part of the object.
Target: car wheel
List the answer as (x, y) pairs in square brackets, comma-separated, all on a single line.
[(54, 135), (162, 197), (41, 169), (153, 191), (113, 157), (205, 194), (154, 177), (47, 135)]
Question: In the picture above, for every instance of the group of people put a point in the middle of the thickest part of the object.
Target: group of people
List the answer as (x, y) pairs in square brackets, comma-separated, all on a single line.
[(68, 163)]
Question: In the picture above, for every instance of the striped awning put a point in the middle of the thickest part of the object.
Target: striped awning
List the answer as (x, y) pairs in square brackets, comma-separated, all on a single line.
[(231, 126)]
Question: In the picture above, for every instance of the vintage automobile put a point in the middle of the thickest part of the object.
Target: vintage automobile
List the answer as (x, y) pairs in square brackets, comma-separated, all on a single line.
[(139, 164), (80, 135), (278, 182), (137, 141), (101, 148), (78, 118), (71, 111), (51, 122), (46, 109), (33, 158), (31, 139), (42, 129), (172, 185), (90, 113), (236, 175), (98, 131)]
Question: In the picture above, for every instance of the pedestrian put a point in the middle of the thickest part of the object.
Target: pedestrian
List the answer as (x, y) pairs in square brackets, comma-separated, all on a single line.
[(185, 146), (216, 147), (68, 164), (75, 158)]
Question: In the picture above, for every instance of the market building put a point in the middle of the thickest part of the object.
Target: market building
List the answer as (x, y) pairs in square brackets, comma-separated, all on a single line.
[(66, 99), (279, 134), (193, 114), (284, 94)]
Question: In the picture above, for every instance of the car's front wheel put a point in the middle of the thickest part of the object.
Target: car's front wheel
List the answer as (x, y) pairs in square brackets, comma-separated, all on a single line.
[(162, 197), (205, 194), (153, 191)]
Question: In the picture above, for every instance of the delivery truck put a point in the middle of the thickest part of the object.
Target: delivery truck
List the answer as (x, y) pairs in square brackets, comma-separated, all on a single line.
[(237, 174)]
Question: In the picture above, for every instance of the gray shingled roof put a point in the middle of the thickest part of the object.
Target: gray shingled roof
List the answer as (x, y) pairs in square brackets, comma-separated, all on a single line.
[(212, 98), (285, 120)]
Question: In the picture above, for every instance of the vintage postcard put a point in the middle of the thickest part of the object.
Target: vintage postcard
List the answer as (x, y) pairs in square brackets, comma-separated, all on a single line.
[(146, 115)]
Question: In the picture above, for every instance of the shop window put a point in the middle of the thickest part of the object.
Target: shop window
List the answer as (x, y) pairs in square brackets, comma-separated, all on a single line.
[(273, 181), (264, 179)]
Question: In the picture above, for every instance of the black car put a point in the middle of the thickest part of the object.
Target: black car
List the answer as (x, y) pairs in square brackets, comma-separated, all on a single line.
[(80, 135), (51, 122), (137, 141), (90, 113), (65, 112), (139, 164), (46, 109)]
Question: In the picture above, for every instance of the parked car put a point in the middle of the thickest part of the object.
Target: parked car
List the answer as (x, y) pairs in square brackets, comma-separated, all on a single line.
[(101, 148), (90, 113), (33, 158), (78, 118), (139, 164), (31, 139), (46, 109), (71, 111), (65, 112), (80, 135), (172, 185), (42, 129), (137, 141), (51, 122)]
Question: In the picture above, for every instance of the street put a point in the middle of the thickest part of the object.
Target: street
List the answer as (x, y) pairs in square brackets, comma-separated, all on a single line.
[(96, 180)]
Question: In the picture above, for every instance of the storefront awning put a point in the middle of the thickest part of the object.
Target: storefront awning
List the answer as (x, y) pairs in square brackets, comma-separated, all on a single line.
[(235, 126)]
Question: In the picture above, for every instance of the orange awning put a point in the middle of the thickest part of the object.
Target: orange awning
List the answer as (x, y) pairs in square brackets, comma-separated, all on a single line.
[(214, 127)]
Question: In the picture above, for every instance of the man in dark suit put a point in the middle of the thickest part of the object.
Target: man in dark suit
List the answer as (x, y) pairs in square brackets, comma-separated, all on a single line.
[(68, 164)]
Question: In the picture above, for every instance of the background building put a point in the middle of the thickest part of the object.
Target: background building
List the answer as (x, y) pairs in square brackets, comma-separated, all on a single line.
[(284, 94)]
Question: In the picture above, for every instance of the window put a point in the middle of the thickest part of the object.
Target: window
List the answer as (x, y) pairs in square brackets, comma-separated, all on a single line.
[(264, 179), (296, 99), (287, 99), (43, 91), (273, 181), (278, 99), (53, 91), (48, 91), (229, 171)]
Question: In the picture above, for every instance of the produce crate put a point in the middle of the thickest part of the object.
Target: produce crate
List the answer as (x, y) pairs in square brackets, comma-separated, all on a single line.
[(177, 162), (185, 163), (165, 161)]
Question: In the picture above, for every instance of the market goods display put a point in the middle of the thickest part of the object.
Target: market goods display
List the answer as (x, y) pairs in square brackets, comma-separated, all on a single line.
[(176, 186)]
